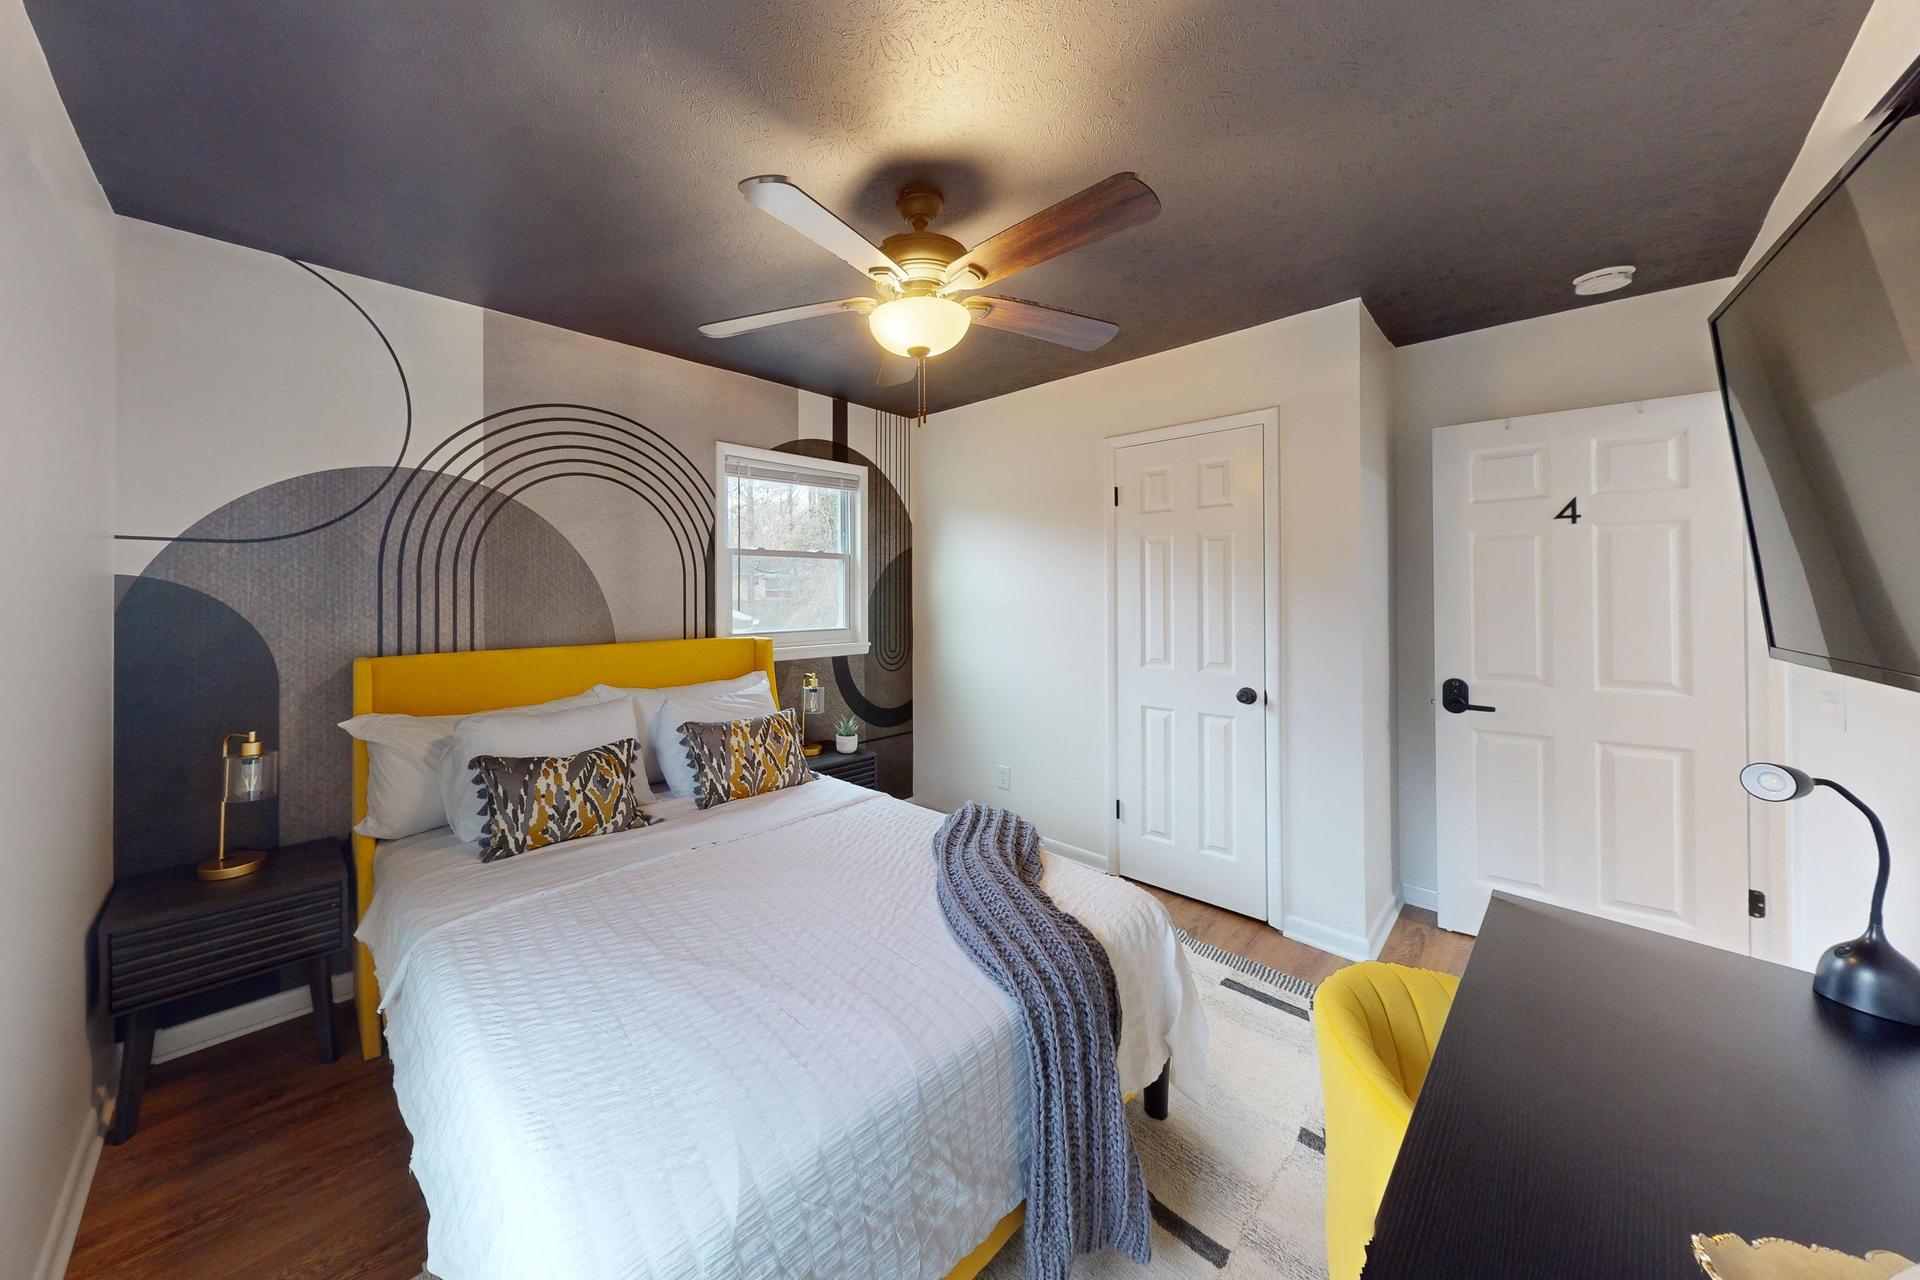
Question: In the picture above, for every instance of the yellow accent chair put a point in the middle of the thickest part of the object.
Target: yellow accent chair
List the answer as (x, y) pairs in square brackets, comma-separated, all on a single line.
[(1375, 1026)]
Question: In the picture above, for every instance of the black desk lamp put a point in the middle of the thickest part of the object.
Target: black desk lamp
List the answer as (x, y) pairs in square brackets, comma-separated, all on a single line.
[(1868, 973)]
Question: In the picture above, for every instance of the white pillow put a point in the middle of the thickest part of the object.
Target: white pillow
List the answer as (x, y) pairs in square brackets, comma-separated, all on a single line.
[(403, 772), (528, 733), (744, 704), (647, 704), (404, 758)]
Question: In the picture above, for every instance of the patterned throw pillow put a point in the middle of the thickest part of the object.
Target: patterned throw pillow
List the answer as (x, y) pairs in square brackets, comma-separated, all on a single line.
[(536, 801), (741, 758)]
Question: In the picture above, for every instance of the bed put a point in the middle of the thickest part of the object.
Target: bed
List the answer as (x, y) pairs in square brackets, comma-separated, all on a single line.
[(736, 1043)]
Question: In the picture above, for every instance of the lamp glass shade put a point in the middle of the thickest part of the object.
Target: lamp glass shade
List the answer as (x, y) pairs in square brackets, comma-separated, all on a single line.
[(252, 777), (814, 700), (921, 325)]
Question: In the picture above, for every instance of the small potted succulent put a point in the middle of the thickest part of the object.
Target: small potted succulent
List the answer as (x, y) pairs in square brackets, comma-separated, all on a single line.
[(846, 735)]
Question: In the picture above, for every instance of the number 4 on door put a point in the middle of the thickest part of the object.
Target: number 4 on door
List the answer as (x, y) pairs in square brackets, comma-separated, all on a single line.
[(1570, 513)]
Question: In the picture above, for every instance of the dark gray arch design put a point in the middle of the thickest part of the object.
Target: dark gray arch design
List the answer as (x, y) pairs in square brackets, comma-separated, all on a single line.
[(188, 668), (890, 609), (440, 499), (310, 599)]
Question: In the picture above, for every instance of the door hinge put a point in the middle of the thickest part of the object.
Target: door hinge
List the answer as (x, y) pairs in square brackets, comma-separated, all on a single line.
[(1116, 495), (1756, 904)]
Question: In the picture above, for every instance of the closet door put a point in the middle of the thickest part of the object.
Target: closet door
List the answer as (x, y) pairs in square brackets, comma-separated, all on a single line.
[(1189, 627)]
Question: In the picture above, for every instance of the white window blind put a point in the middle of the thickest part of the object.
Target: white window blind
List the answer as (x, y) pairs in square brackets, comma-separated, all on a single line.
[(753, 469)]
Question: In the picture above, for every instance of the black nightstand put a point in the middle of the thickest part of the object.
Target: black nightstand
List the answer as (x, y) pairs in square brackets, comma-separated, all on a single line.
[(169, 934), (856, 766)]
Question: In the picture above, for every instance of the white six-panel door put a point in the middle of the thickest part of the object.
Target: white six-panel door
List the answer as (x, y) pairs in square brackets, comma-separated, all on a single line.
[(1189, 630), (1612, 650)]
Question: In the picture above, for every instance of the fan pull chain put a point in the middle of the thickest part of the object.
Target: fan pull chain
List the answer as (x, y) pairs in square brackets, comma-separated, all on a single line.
[(922, 360)]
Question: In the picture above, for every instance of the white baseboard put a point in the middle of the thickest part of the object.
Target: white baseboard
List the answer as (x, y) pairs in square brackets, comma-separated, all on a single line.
[(1098, 861), (1382, 926), (230, 1024), (65, 1223), (1418, 895), (1339, 942)]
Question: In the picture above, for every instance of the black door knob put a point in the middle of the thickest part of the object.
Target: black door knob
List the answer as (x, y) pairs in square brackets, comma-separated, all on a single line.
[(1454, 697), (1247, 697)]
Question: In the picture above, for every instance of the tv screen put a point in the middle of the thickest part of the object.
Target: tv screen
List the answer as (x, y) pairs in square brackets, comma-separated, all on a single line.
[(1819, 351)]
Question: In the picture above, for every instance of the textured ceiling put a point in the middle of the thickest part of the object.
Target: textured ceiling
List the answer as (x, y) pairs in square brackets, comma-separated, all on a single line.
[(1455, 163)]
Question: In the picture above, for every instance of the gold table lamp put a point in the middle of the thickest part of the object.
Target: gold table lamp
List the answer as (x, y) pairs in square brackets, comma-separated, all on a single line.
[(250, 772), (813, 702)]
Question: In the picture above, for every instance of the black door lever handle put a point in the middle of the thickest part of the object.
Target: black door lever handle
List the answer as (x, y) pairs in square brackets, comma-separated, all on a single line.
[(1454, 696)]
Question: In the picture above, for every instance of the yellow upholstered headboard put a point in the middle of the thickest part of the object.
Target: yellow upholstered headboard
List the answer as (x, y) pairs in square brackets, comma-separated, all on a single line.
[(442, 684)]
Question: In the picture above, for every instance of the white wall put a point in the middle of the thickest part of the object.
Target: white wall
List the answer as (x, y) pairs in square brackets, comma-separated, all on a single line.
[(1010, 513), (1888, 42), (239, 369), (1859, 733), (56, 634), (1637, 347)]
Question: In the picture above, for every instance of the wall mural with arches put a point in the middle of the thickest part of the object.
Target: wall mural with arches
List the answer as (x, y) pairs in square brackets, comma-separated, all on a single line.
[(546, 488)]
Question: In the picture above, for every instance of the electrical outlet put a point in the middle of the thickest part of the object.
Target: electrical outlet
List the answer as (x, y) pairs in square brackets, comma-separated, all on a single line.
[(1003, 777)]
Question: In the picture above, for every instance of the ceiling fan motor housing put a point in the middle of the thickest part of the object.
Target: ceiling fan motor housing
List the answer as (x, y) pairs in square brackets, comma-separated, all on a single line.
[(918, 273), (923, 255)]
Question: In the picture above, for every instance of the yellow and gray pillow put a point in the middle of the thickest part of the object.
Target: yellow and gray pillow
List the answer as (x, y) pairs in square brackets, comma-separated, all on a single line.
[(535, 801), (734, 759)]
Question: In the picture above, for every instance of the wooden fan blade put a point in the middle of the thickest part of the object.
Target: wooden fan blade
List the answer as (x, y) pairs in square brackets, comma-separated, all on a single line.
[(786, 315), (773, 194), (1049, 324), (895, 370), (1109, 206)]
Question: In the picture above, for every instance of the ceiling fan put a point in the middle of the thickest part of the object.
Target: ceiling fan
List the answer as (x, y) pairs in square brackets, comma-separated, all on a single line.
[(917, 273)]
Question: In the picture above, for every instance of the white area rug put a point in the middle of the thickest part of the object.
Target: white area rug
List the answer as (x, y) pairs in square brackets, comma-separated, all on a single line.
[(1239, 1183)]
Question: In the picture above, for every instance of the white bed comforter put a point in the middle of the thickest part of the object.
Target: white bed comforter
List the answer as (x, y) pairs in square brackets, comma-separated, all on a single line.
[(739, 1043)]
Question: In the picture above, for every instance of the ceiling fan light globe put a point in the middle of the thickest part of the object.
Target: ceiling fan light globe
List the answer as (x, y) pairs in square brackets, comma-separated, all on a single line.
[(919, 325)]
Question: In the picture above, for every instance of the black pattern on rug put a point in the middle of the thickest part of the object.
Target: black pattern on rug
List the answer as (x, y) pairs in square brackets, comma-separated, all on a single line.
[(1237, 1182)]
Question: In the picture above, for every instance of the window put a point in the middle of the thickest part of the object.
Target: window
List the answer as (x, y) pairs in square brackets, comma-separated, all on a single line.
[(790, 552)]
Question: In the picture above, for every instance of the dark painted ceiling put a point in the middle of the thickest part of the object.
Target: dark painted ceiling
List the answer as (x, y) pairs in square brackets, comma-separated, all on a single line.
[(1453, 162)]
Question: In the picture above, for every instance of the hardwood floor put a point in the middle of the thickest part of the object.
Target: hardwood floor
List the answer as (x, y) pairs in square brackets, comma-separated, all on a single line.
[(1417, 939), (256, 1161)]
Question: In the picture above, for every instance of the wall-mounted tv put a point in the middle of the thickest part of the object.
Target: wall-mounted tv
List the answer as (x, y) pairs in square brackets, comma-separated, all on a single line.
[(1819, 353)]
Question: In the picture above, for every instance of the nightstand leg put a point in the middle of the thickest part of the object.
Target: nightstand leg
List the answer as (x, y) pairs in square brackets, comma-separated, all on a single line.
[(1155, 1097), (134, 1057), (320, 983)]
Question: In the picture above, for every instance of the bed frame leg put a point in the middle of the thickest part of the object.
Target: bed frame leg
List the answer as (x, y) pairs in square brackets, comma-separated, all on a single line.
[(1155, 1097)]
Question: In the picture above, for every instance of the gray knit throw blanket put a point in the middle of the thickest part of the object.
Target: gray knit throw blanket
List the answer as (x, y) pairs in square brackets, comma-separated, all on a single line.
[(1084, 1186)]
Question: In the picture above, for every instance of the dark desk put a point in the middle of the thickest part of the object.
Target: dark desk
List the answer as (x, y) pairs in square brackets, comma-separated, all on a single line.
[(1601, 1093)]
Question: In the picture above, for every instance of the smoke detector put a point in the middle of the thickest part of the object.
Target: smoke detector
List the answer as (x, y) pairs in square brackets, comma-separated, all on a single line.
[(1605, 280)]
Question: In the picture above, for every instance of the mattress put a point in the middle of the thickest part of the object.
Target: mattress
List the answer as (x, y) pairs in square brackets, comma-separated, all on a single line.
[(739, 1043)]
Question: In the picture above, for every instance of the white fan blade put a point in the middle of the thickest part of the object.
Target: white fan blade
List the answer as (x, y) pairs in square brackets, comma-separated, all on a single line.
[(773, 194), (786, 315), (1049, 324)]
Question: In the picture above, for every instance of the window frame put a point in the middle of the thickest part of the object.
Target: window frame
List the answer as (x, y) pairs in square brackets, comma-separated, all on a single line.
[(834, 642)]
